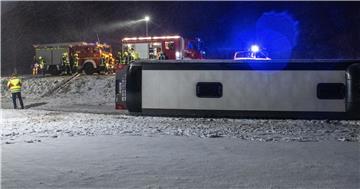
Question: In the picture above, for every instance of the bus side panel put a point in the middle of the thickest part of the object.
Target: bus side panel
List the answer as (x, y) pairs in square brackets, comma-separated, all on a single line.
[(242, 90)]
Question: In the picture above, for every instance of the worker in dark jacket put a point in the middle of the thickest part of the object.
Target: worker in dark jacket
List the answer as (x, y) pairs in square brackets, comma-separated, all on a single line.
[(14, 85), (162, 56)]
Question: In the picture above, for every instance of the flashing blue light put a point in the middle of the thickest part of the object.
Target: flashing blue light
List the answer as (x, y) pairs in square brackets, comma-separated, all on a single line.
[(255, 48)]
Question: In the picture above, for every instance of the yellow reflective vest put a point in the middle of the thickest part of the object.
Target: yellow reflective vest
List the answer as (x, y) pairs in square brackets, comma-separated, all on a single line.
[(76, 62), (136, 55), (14, 84)]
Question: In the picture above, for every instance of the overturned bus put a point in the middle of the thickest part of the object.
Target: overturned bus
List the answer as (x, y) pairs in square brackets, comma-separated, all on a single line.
[(311, 89)]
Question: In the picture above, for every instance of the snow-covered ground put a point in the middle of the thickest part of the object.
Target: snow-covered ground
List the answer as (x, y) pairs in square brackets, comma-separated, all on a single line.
[(37, 125), (76, 139), (89, 90), (91, 94), (179, 162)]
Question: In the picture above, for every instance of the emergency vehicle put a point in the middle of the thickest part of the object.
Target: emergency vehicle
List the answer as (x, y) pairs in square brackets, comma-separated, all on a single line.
[(309, 89), (254, 53), (173, 47), (248, 55), (90, 56)]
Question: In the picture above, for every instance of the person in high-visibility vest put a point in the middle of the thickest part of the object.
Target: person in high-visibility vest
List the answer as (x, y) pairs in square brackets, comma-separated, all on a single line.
[(126, 57), (34, 66), (102, 60), (76, 62), (133, 55), (14, 85), (119, 58), (111, 63), (35, 69), (111, 59), (66, 64), (42, 64), (137, 55), (107, 65)]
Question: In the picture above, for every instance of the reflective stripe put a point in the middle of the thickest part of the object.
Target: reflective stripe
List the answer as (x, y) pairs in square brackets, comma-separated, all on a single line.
[(15, 90)]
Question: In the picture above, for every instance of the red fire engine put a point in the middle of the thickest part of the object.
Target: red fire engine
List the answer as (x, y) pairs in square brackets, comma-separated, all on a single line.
[(90, 56), (173, 47)]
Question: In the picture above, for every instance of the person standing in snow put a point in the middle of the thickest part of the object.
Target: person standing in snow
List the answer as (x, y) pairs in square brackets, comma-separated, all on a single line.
[(14, 85)]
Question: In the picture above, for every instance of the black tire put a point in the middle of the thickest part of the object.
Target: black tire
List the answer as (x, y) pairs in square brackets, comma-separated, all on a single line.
[(53, 70), (89, 69)]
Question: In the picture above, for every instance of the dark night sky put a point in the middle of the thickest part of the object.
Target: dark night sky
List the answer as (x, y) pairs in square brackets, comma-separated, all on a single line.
[(325, 29)]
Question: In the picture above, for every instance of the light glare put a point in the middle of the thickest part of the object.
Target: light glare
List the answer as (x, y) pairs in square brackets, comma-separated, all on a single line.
[(255, 48)]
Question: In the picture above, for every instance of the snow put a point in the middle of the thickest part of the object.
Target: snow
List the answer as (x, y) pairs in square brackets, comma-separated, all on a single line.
[(37, 125), (83, 90), (179, 162)]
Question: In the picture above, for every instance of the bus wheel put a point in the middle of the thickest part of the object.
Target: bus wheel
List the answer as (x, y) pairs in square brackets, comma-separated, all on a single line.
[(89, 69), (53, 70)]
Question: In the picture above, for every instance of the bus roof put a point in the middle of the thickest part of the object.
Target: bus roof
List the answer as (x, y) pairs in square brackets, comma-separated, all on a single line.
[(259, 61), (215, 64)]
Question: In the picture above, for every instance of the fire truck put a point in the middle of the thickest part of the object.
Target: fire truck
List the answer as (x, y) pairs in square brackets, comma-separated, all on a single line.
[(173, 47), (90, 56)]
